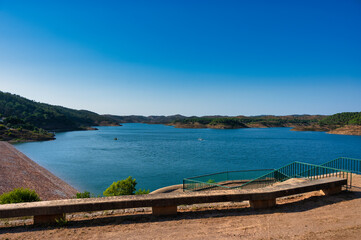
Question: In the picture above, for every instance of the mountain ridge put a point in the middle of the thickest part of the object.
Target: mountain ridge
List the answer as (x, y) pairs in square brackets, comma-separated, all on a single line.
[(22, 119)]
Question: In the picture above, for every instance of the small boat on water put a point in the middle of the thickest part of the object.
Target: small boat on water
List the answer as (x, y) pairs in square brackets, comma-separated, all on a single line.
[(200, 139)]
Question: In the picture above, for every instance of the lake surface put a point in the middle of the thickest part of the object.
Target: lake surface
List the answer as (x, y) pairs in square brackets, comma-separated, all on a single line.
[(159, 155)]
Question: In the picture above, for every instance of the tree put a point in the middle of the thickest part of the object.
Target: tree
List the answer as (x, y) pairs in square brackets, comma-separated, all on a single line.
[(122, 187), (141, 191)]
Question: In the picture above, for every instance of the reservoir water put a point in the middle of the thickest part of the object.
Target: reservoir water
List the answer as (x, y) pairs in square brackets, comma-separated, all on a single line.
[(159, 155)]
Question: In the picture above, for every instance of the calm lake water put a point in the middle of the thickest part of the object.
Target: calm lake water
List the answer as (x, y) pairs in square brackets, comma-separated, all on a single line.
[(158, 155)]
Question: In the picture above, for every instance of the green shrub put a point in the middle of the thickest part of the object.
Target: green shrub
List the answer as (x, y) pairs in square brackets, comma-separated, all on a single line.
[(84, 194), (61, 222), (211, 181), (141, 191), (19, 195), (122, 187)]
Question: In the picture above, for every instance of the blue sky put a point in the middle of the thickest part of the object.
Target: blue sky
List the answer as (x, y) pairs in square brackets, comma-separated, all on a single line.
[(186, 57)]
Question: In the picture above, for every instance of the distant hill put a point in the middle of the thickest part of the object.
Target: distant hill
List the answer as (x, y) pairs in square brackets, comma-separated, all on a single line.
[(347, 123), (245, 122), (143, 119), (225, 122), (22, 119)]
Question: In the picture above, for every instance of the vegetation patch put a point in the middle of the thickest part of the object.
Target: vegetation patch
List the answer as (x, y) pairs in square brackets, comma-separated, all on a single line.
[(19, 195), (342, 119), (124, 187), (84, 194)]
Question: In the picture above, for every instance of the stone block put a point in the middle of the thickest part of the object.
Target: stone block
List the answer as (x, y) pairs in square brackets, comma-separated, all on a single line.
[(267, 203), (169, 210), (333, 190), (47, 219)]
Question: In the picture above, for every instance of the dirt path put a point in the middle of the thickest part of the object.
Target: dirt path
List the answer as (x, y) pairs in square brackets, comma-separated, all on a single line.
[(17, 170), (311, 216)]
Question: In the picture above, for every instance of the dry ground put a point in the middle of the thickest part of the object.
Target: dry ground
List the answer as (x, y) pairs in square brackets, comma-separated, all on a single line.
[(311, 216)]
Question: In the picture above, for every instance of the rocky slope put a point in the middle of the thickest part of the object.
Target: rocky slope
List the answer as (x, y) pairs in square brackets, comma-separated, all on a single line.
[(17, 170)]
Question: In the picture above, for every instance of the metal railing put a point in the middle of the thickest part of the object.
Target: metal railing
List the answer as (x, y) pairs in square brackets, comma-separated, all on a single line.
[(298, 170), (250, 179), (222, 180), (349, 164)]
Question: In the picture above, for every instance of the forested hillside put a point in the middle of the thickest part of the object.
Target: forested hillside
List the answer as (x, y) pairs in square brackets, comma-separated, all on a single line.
[(24, 120), (244, 122), (341, 119), (25, 112)]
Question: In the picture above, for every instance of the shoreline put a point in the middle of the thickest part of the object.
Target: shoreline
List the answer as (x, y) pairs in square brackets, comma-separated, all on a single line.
[(349, 130)]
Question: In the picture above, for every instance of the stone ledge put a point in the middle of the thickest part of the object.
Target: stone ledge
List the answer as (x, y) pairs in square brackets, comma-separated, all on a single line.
[(167, 203)]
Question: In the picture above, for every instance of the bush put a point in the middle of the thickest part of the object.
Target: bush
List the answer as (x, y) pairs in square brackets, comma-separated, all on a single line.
[(141, 191), (122, 187), (211, 181), (84, 194), (19, 195)]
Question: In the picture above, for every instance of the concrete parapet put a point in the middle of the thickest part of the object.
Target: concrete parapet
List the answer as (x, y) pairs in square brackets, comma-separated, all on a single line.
[(166, 203)]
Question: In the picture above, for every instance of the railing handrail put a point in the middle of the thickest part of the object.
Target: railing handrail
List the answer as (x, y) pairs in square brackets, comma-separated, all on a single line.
[(253, 180), (348, 158), (290, 164), (337, 169), (251, 170), (206, 183), (354, 159)]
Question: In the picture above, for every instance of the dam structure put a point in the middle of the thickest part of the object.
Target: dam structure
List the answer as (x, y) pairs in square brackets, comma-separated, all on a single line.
[(19, 171)]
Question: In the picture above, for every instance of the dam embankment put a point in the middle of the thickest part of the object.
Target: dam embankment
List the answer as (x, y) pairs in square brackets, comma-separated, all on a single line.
[(17, 170)]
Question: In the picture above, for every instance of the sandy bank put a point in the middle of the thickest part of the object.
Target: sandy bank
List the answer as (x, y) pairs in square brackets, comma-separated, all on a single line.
[(17, 170), (347, 130)]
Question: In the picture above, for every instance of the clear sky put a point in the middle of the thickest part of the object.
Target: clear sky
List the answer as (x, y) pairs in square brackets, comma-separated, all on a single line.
[(187, 57)]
